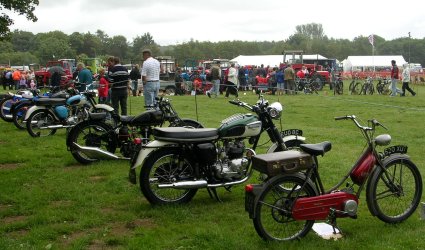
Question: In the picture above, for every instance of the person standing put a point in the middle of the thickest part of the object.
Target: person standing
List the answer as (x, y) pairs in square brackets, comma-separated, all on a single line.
[(232, 81), (394, 78), (215, 78), (134, 77), (85, 77), (406, 80), (118, 79), (178, 81), (150, 78), (16, 75), (242, 78), (289, 75), (103, 87), (280, 80)]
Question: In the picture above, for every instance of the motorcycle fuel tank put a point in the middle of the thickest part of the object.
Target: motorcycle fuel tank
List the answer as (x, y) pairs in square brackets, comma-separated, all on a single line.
[(240, 125)]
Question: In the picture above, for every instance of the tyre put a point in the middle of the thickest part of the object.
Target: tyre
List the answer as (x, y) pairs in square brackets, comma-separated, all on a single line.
[(351, 87), (166, 166), (317, 82), (393, 195), (19, 116), (38, 121), (273, 216), (357, 89), (5, 105), (370, 89), (379, 88), (90, 134), (339, 88)]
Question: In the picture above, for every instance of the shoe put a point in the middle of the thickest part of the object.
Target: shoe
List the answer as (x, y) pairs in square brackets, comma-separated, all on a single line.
[(209, 94)]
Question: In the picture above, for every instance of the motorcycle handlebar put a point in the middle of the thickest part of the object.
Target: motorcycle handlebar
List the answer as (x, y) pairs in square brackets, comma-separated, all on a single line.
[(343, 117)]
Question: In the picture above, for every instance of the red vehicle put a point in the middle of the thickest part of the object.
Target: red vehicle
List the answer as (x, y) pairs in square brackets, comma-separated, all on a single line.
[(42, 76)]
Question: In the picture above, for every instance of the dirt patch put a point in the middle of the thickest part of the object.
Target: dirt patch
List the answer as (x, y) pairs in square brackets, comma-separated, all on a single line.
[(4, 207), (9, 166), (65, 203), (14, 219), (145, 223), (18, 233)]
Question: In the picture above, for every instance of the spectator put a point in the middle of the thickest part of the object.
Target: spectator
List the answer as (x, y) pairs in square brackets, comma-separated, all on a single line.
[(394, 78), (118, 79), (9, 79), (23, 83), (280, 82), (103, 87), (289, 76), (85, 77), (215, 78), (134, 77), (150, 78), (16, 76), (179, 82), (232, 81), (242, 78), (406, 80)]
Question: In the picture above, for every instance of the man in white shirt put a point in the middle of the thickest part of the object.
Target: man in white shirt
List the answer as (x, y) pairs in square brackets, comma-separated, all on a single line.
[(150, 78)]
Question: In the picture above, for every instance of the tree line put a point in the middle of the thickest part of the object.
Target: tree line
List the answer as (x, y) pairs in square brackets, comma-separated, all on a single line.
[(23, 47)]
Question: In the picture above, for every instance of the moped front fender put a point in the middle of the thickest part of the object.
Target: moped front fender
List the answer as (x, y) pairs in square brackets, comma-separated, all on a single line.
[(286, 139), (147, 149)]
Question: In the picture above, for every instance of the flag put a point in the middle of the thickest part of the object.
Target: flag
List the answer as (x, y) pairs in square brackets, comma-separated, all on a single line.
[(371, 40)]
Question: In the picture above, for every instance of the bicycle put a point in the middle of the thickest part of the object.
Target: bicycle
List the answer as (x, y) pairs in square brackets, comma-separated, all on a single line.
[(338, 86), (367, 87), (286, 206), (382, 87), (354, 87)]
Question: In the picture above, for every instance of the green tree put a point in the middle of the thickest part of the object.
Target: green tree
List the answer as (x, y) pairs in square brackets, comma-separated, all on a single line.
[(311, 30), (22, 7), (23, 40)]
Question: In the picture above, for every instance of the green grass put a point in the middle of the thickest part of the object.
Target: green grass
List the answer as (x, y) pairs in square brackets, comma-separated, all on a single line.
[(49, 201)]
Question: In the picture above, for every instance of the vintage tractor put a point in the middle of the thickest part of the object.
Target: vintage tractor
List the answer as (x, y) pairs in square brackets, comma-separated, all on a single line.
[(43, 75)]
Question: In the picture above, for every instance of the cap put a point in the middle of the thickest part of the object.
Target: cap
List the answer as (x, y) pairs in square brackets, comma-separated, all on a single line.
[(146, 51)]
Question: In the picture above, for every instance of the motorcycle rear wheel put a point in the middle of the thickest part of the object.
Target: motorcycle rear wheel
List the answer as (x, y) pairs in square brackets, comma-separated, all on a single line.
[(90, 134), (166, 166), (37, 122), (273, 219), (19, 116), (395, 194)]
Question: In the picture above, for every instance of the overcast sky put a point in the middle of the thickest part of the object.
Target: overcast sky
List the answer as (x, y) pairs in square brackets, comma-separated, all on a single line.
[(178, 21)]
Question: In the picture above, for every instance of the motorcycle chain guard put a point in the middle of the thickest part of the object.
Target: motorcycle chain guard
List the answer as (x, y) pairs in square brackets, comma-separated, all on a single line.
[(318, 207)]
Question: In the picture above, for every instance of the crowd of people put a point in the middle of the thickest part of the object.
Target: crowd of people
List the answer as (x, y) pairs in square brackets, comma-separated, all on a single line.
[(17, 79)]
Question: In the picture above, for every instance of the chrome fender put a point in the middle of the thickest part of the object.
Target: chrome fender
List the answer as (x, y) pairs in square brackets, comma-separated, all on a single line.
[(147, 149), (31, 110), (286, 139), (104, 107)]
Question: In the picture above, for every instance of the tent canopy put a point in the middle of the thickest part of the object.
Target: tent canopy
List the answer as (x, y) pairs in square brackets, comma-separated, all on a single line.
[(270, 60), (361, 62)]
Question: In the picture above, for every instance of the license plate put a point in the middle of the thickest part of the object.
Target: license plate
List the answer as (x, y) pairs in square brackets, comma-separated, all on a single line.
[(398, 149), (288, 132)]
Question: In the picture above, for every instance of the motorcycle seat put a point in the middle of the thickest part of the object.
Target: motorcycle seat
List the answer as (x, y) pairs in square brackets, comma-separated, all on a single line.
[(178, 134), (316, 149), (50, 101)]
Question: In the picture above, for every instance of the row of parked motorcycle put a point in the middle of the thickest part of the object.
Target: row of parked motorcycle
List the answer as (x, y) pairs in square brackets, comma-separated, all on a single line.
[(178, 156)]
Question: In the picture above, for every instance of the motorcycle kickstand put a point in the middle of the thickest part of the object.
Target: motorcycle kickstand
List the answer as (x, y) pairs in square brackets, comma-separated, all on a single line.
[(332, 221), (213, 192)]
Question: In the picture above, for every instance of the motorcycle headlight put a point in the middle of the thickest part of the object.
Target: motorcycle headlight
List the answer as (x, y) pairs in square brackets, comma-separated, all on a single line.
[(275, 110)]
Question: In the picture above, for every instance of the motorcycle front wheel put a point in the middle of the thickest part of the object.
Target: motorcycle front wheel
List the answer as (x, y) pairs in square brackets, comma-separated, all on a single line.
[(273, 219), (393, 195), (166, 167), (38, 123), (19, 116)]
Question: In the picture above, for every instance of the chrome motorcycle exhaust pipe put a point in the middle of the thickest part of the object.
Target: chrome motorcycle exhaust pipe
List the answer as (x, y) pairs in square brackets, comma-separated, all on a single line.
[(185, 184), (224, 184), (97, 153)]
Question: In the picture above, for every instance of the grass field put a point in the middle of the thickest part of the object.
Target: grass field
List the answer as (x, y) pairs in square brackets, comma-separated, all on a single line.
[(49, 201)]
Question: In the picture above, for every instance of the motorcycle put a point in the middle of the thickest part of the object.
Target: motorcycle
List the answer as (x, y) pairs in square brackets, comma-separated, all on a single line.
[(9, 100), (286, 206), (180, 160), (50, 114), (93, 139)]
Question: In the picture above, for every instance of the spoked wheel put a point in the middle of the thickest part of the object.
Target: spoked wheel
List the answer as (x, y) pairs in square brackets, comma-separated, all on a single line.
[(351, 87), (379, 88), (38, 123), (166, 167), (370, 89), (395, 194), (339, 88), (90, 134), (273, 211), (19, 116), (357, 89)]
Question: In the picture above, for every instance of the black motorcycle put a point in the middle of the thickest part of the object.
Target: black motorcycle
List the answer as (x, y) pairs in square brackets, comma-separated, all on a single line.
[(93, 139)]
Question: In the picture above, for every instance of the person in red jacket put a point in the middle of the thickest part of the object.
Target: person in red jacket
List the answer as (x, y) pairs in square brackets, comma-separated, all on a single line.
[(103, 87), (394, 78)]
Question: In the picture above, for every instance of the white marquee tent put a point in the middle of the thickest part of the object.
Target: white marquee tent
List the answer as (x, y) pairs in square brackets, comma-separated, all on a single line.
[(361, 63), (269, 60)]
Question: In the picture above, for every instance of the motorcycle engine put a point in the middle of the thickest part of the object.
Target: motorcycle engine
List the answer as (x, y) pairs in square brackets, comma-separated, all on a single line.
[(231, 163)]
